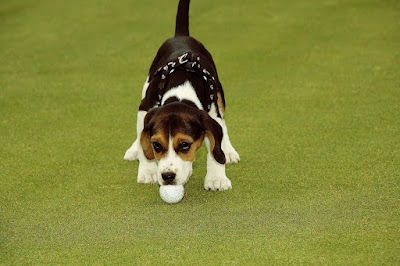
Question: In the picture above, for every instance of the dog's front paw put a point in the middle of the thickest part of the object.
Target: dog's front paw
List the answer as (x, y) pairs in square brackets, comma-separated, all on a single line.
[(213, 183), (132, 153), (147, 173), (231, 155)]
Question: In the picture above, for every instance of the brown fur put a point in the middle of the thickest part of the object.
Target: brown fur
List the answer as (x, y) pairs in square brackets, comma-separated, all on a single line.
[(160, 138), (190, 155), (146, 145)]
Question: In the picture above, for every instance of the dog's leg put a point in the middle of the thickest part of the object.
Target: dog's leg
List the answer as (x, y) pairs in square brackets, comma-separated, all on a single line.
[(230, 153), (215, 179), (132, 153), (147, 172)]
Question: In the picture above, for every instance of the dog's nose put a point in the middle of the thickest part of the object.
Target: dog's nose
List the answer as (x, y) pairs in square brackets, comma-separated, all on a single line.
[(168, 177)]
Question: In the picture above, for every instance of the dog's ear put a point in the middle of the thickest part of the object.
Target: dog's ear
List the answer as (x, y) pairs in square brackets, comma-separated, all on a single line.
[(214, 133), (145, 136)]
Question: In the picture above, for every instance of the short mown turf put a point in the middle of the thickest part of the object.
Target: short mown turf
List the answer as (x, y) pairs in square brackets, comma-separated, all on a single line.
[(313, 108)]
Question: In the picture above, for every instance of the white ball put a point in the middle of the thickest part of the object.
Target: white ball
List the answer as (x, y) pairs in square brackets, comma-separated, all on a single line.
[(171, 193)]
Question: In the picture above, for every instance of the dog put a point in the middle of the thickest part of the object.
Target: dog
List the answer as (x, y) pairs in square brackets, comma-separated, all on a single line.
[(182, 105)]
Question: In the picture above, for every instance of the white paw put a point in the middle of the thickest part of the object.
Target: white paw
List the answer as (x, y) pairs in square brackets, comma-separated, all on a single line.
[(147, 173), (132, 153), (231, 155), (217, 183)]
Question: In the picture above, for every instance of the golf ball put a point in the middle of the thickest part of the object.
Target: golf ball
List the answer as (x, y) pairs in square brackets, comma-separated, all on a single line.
[(171, 193)]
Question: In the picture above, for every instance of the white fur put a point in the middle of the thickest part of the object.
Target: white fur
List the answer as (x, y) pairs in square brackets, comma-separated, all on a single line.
[(183, 92), (147, 172), (172, 162), (132, 153), (215, 179)]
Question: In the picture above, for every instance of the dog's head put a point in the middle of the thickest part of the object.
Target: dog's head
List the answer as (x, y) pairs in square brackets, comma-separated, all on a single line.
[(172, 134)]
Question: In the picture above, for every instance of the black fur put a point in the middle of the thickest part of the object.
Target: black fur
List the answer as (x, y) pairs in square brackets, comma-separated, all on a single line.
[(172, 49)]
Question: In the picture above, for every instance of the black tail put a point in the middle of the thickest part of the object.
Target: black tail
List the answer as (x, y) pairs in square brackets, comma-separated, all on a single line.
[(182, 19)]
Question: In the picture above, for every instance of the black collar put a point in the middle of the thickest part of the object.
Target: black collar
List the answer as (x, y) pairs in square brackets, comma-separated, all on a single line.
[(191, 63)]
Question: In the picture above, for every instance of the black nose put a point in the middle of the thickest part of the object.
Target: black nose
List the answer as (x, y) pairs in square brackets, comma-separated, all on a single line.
[(168, 177)]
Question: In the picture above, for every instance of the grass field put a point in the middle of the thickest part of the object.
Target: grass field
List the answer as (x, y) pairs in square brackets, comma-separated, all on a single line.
[(313, 108)]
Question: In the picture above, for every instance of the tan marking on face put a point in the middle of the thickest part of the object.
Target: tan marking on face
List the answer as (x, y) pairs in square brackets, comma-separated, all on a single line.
[(163, 140), (190, 155), (220, 104)]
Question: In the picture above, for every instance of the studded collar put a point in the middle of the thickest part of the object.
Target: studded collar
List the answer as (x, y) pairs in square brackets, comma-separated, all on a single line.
[(190, 63)]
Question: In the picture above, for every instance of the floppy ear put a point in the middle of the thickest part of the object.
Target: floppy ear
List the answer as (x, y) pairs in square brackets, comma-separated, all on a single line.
[(146, 145), (145, 136), (214, 132)]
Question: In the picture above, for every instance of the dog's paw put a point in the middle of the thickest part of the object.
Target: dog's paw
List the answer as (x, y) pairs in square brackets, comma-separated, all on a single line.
[(213, 183), (231, 156), (132, 153), (147, 174)]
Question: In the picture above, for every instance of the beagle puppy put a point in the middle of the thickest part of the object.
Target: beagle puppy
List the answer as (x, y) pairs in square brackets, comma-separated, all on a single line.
[(182, 105)]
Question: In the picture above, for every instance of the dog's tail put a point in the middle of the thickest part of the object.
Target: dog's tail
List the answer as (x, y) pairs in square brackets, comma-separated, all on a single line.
[(182, 19)]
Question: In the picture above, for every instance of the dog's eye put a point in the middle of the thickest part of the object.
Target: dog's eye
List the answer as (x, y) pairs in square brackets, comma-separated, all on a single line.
[(157, 146), (185, 146)]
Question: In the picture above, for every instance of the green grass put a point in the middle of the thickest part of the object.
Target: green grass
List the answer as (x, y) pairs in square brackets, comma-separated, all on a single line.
[(313, 94)]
